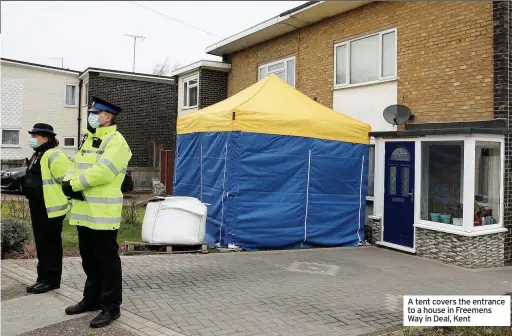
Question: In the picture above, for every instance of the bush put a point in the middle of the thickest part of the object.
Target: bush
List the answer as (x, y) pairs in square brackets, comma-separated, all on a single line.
[(15, 234), (131, 208)]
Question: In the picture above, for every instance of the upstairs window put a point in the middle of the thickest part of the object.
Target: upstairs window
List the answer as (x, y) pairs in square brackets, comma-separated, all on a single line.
[(367, 59), (284, 69), (70, 95), (190, 92)]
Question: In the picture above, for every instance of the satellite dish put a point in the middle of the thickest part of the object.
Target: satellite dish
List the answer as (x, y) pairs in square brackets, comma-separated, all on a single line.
[(397, 114)]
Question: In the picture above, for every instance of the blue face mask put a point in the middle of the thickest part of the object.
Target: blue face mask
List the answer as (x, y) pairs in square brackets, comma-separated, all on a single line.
[(32, 142), (93, 120)]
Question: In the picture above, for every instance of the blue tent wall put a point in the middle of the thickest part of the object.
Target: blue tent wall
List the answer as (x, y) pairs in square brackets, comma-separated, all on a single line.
[(258, 188)]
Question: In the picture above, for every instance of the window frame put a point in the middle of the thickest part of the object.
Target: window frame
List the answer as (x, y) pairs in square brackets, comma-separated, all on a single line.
[(86, 94), (468, 192), (381, 79), (186, 80), (285, 61), (69, 137), (8, 145), (65, 95), (371, 170)]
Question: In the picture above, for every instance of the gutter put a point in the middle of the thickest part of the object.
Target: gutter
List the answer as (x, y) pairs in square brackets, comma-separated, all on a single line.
[(298, 8), (79, 119)]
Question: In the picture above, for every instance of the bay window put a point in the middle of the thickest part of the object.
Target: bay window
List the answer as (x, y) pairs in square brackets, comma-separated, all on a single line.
[(487, 183), (442, 181), (461, 184)]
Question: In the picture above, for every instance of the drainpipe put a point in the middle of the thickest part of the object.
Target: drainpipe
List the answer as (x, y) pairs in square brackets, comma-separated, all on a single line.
[(79, 119)]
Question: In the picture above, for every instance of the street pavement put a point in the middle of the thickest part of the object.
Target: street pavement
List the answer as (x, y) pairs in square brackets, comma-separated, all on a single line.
[(337, 291)]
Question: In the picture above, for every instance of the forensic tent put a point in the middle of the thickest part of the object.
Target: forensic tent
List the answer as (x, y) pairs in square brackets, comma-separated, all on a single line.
[(277, 169)]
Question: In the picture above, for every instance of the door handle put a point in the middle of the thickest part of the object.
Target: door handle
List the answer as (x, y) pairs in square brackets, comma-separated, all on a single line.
[(412, 195)]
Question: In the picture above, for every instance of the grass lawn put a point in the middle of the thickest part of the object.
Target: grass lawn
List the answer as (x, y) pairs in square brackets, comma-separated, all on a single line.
[(127, 232)]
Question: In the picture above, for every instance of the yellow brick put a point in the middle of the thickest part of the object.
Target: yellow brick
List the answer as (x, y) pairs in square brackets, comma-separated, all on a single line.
[(445, 56)]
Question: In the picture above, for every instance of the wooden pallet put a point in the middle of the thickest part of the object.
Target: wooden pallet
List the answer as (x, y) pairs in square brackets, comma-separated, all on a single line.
[(147, 248)]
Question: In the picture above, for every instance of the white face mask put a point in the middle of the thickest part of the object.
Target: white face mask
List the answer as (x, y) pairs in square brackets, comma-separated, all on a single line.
[(32, 142), (94, 120)]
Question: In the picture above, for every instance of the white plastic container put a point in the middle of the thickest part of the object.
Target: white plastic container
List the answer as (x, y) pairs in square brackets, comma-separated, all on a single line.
[(175, 220)]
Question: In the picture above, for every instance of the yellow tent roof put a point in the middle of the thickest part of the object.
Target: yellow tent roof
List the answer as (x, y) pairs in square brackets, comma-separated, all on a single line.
[(272, 106)]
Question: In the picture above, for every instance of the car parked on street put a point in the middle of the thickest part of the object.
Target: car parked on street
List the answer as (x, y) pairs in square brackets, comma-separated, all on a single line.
[(12, 179)]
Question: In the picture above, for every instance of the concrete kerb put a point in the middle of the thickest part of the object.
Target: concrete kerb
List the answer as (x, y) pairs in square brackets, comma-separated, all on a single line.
[(128, 321)]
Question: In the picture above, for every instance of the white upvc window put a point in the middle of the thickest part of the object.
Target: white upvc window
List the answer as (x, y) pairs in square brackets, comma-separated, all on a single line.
[(191, 92), (86, 94), (460, 184), (284, 69), (10, 138), (365, 60), (69, 142), (70, 95)]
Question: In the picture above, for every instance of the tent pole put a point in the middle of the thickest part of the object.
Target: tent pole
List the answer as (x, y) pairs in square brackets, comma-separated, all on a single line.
[(223, 195), (201, 194), (360, 200), (307, 201)]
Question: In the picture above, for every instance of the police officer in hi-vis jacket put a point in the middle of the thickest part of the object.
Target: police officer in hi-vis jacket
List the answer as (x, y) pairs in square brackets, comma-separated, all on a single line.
[(94, 184), (48, 205)]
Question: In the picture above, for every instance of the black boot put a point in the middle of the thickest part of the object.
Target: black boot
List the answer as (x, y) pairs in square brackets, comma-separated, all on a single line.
[(43, 288), (31, 287), (105, 318), (82, 307)]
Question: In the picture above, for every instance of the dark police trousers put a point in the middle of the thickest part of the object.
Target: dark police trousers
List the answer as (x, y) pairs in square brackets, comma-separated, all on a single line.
[(47, 235), (102, 265)]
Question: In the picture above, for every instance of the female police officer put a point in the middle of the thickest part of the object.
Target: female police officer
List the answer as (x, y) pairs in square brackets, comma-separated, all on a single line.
[(48, 205)]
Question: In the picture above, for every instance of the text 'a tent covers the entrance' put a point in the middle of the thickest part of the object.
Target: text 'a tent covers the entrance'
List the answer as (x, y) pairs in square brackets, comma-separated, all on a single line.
[(278, 169)]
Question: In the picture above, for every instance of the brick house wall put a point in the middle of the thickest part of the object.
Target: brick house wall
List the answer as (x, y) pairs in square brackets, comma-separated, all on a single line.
[(149, 112), (445, 56), (502, 75), (212, 87)]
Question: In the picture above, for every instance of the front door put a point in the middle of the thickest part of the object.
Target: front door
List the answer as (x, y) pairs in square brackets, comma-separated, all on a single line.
[(399, 194)]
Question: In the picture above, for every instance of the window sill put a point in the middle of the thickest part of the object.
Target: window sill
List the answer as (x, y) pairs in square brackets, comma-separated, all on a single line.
[(11, 146), (70, 106), (460, 231), (340, 87), (188, 107), (369, 198)]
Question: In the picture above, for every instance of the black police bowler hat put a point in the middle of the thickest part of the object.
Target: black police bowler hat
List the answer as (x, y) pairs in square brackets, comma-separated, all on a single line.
[(103, 105), (42, 129)]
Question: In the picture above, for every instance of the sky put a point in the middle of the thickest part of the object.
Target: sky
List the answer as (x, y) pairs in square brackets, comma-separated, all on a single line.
[(92, 33)]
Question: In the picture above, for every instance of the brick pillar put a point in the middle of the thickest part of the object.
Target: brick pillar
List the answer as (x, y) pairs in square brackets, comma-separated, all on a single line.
[(213, 87), (502, 68)]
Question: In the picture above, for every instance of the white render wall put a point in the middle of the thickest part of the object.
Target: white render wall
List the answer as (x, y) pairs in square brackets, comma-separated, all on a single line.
[(366, 103), (33, 94)]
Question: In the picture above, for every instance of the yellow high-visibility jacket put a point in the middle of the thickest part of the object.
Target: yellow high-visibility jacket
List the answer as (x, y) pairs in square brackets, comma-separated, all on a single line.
[(54, 166), (99, 173)]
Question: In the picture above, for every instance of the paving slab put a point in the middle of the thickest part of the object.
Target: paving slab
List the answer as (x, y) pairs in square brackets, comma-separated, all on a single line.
[(32, 312), (322, 292), (12, 289), (78, 327)]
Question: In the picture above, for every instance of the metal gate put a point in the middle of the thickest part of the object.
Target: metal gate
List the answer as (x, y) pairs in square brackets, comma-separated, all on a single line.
[(167, 169)]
